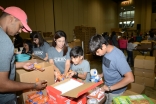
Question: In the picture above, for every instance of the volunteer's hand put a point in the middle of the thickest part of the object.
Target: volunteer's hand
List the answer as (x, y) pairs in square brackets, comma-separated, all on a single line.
[(105, 88), (100, 75), (71, 73), (40, 85), (28, 66)]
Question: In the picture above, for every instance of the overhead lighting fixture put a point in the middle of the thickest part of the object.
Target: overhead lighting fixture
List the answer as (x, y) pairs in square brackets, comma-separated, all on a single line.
[(128, 2)]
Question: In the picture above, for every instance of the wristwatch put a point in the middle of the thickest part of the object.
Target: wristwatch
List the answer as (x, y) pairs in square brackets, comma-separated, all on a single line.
[(109, 89)]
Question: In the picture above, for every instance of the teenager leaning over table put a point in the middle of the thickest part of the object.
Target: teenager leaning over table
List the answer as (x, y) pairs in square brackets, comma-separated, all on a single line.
[(116, 71), (13, 20), (59, 53), (40, 47)]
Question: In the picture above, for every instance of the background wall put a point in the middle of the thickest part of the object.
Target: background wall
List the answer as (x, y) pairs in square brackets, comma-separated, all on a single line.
[(101, 14), (143, 11)]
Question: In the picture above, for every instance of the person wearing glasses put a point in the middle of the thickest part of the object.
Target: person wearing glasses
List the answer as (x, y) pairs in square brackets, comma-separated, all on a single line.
[(40, 46), (13, 21), (116, 71)]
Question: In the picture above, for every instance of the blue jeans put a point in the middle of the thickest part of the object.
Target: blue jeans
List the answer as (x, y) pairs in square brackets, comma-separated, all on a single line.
[(130, 57), (13, 101)]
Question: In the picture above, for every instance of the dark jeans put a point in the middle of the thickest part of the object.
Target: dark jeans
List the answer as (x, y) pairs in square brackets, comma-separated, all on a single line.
[(13, 101), (130, 57)]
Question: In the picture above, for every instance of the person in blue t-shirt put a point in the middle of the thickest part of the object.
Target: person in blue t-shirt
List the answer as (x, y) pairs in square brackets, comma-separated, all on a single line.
[(58, 54), (116, 71), (80, 67), (40, 47)]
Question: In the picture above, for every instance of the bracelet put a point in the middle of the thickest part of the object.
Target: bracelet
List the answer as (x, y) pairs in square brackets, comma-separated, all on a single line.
[(109, 89), (35, 85), (77, 74)]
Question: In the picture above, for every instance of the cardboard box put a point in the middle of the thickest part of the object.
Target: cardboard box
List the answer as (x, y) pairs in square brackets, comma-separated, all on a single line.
[(154, 55), (149, 63), (144, 73), (145, 81), (144, 62), (35, 61), (70, 90), (140, 89), (139, 61), (30, 76)]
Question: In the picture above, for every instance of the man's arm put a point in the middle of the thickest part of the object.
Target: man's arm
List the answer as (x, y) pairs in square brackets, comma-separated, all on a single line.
[(7, 85), (128, 78), (20, 64)]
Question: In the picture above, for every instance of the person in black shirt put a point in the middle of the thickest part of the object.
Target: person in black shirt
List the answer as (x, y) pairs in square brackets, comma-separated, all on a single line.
[(27, 47), (18, 42)]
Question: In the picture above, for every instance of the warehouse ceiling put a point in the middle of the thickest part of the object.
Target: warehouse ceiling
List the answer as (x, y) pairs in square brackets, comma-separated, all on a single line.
[(118, 1)]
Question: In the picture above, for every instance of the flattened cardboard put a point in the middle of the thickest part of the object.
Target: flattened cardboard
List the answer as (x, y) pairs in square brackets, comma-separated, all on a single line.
[(75, 93)]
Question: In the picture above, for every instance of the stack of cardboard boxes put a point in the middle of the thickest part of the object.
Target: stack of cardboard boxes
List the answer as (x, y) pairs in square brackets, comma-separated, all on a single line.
[(144, 67), (84, 34)]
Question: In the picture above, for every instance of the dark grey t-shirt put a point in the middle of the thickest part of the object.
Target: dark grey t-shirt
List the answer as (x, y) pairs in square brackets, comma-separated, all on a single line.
[(82, 68), (114, 67), (58, 58), (6, 63), (41, 51)]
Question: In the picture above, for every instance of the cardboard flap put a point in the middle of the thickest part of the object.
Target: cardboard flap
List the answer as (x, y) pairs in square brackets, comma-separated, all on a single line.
[(139, 57), (37, 57), (75, 93), (136, 88)]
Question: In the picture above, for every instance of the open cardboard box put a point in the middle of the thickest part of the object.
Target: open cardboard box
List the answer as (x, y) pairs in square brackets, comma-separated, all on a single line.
[(70, 90), (35, 61), (140, 89), (30, 76)]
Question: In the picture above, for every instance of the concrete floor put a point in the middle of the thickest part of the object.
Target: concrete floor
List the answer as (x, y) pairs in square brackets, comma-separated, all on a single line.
[(97, 63)]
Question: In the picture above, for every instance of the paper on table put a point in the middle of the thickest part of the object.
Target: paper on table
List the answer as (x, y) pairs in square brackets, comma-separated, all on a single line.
[(69, 85)]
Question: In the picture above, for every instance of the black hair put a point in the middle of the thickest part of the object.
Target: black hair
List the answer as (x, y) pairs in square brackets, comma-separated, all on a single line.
[(26, 41), (4, 14), (58, 34), (37, 34), (151, 34), (76, 51), (96, 43), (131, 40), (113, 33)]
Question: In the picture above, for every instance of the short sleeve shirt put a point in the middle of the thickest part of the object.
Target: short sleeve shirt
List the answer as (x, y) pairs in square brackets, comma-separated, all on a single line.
[(114, 67), (58, 58), (81, 68), (7, 60), (42, 50)]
